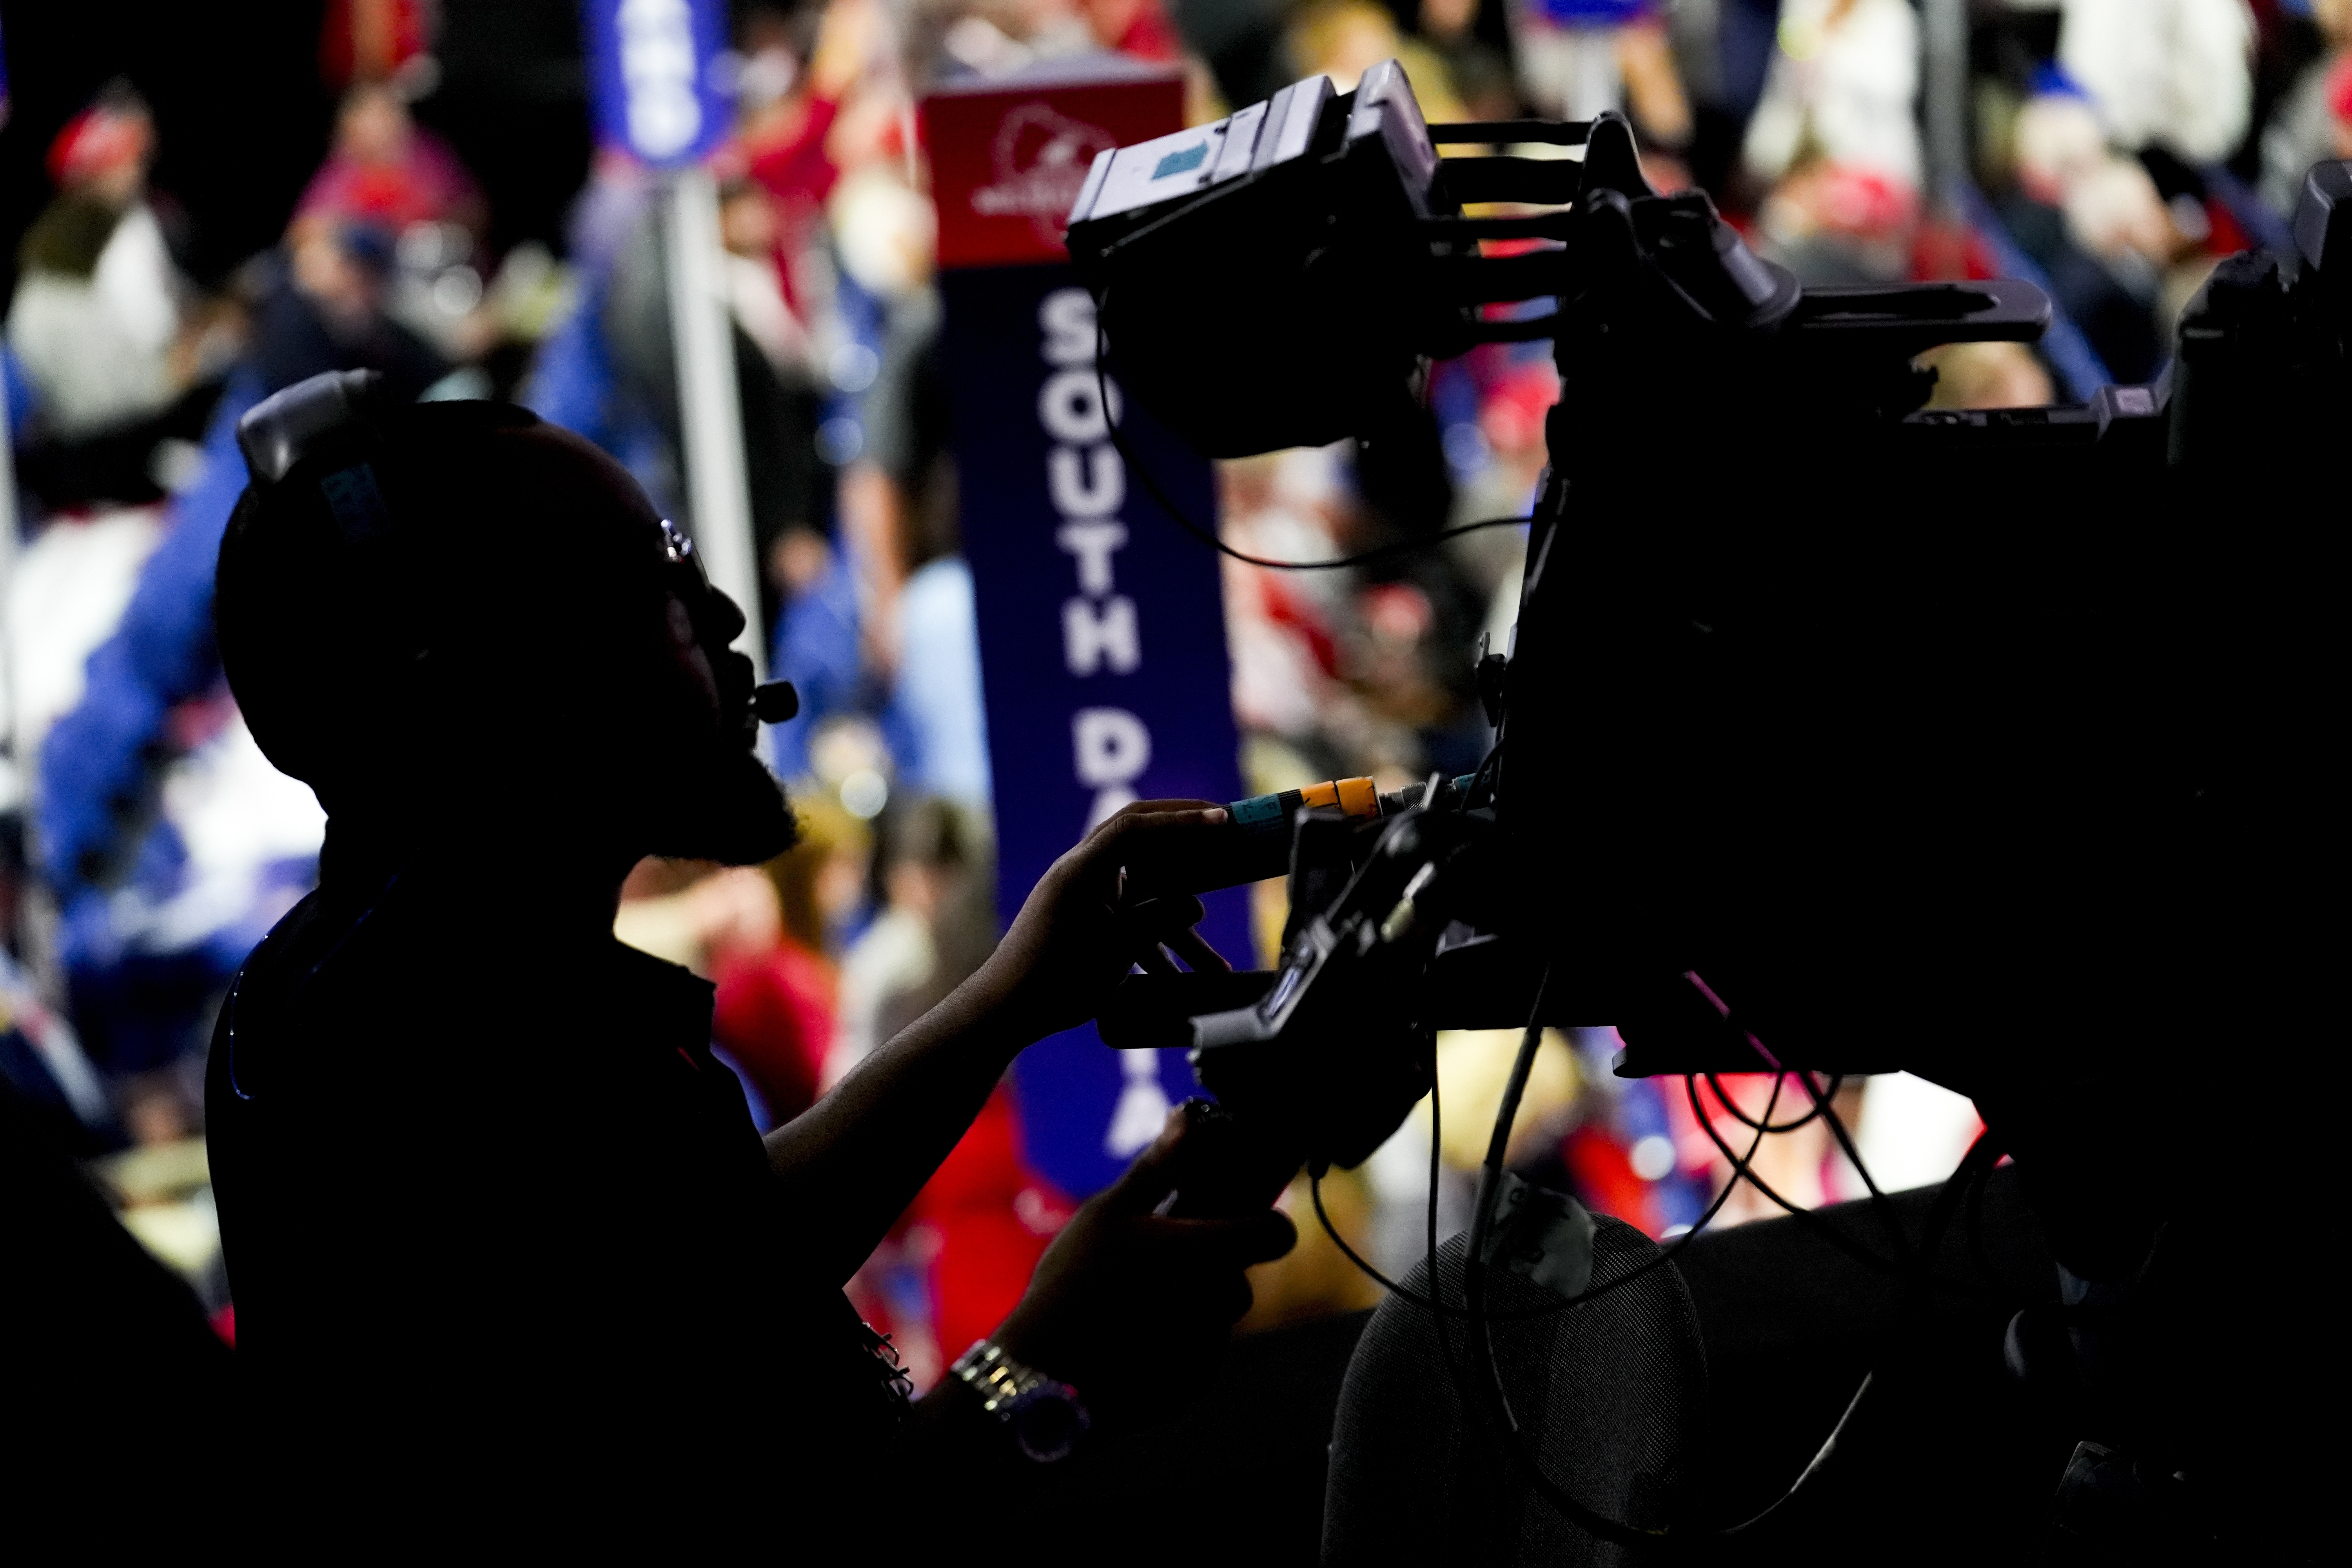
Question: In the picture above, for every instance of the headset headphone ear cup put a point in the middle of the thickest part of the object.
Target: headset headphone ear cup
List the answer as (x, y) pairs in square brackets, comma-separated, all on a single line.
[(296, 421)]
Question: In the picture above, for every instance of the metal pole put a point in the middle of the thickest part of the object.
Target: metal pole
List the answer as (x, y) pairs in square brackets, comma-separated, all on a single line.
[(17, 787), (709, 404), (8, 717), (1944, 103)]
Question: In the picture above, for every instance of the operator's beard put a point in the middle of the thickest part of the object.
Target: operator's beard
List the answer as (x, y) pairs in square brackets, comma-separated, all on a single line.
[(730, 808)]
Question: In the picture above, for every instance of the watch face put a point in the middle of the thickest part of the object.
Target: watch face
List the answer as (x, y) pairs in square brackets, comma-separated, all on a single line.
[(1047, 1422)]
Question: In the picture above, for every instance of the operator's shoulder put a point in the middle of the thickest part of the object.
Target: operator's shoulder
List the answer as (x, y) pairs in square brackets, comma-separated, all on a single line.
[(336, 968), (319, 939), (277, 963)]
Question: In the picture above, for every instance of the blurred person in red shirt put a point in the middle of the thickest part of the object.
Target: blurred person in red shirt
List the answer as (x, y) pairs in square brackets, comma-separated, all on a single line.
[(791, 113), (989, 1218), (1136, 28), (373, 40), (777, 1000), (2338, 88), (387, 170)]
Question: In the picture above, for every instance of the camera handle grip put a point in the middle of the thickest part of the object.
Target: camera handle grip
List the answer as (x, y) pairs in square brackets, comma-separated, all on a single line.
[(1227, 1167)]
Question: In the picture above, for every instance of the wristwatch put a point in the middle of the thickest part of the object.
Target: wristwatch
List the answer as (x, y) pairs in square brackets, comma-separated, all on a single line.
[(1045, 1417)]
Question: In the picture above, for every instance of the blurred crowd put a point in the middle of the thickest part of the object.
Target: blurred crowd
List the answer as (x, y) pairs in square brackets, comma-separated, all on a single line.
[(2114, 150)]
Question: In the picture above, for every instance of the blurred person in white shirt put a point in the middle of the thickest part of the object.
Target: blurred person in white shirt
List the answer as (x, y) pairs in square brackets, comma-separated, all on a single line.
[(96, 311), (2175, 74), (1836, 138)]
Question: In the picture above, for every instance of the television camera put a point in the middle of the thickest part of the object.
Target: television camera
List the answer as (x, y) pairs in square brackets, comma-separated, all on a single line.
[(1837, 733)]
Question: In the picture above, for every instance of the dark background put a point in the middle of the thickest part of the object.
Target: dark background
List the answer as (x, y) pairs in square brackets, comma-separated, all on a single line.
[(243, 119)]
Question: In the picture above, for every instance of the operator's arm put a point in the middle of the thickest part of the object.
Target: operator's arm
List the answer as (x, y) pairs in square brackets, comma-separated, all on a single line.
[(856, 1158)]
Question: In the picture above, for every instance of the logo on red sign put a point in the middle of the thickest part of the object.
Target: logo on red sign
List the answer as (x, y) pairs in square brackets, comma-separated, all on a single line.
[(1008, 161), (1042, 158)]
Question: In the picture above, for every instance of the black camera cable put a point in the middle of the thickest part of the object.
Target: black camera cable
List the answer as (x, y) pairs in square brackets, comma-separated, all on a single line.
[(1436, 1302), (1208, 536), (1714, 1082), (1966, 1183), (1972, 1170), (1474, 1295), (1887, 1217), (1740, 1167), (1803, 1215), (1977, 1256), (1967, 1177), (1900, 1269), (1430, 1303)]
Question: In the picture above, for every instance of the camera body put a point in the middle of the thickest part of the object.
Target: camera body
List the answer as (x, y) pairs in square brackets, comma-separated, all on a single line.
[(1998, 746), (1283, 237), (1885, 721)]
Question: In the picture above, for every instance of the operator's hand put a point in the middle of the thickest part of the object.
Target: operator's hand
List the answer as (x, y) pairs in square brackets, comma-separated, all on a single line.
[(1081, 929), (1130, 1307)]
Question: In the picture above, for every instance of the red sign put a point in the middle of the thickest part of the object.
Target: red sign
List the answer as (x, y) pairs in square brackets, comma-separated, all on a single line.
[(1008, 157)]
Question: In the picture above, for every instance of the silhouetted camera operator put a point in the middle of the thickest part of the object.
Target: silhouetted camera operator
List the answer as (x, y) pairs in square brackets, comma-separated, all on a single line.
[(505, 1246)]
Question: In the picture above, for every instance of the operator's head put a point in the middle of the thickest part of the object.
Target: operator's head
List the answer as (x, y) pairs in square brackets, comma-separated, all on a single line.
[(451, 616)]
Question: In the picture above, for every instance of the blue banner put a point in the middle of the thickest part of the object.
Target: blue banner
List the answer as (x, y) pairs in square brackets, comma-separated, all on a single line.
[(651, 72), (1103, 659)]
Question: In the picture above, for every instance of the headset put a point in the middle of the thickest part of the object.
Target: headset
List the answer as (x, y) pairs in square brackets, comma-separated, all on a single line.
[(329, 415)]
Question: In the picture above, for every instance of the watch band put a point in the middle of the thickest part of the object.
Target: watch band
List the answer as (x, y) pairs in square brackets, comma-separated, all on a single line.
[(1045, 1416)]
